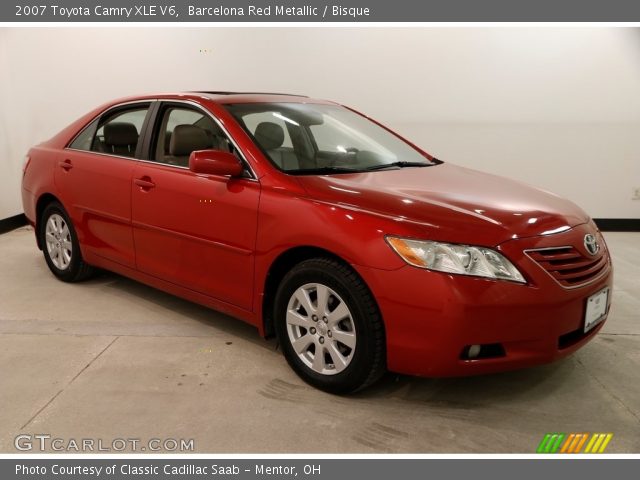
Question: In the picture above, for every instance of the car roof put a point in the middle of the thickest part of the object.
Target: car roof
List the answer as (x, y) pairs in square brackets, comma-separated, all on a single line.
[(224, 97), (257, 97), (225, 94)]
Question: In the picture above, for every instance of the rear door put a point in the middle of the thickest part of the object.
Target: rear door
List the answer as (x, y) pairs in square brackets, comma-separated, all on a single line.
[(197, 231), (94, 178)]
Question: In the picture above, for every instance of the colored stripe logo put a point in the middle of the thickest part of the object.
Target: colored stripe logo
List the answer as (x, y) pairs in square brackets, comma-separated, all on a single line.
[(574, 443)]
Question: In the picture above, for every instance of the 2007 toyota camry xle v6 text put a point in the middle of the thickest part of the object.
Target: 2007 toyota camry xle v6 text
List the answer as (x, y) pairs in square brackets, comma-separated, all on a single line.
[(357, 249)]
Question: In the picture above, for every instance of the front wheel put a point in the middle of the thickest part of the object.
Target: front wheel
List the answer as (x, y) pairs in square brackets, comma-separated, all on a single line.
[(60, 245), (329, 326)]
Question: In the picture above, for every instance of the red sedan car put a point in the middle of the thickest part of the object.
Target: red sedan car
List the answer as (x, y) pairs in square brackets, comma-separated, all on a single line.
[(360, 251)]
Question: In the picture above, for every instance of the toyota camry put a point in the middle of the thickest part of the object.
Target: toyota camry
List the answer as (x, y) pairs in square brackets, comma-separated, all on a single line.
[(358, 250)]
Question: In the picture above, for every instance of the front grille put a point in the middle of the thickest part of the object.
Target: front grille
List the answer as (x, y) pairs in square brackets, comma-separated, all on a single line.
[(570, 267)]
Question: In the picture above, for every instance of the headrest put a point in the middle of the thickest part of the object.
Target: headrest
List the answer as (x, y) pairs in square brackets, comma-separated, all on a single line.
[(269, 135), (188, 138), (120, 134)]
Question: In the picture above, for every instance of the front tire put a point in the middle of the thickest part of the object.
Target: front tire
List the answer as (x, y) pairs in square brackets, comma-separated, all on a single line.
[(329, 326), (60, 245)]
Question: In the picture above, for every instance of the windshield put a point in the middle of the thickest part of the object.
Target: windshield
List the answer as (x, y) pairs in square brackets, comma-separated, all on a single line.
[(313, 138)]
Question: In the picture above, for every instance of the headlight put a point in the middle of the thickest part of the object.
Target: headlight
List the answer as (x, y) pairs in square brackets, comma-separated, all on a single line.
[(452, 258)]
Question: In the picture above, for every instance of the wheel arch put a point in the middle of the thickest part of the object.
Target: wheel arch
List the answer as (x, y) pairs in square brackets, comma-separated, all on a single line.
[(43, 200), (279, 268)]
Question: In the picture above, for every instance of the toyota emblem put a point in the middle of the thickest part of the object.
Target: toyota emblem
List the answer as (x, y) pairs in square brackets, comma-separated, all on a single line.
[(591, 244)]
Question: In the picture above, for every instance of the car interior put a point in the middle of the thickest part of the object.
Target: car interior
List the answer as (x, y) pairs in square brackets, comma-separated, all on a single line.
[(118, 138), (288, 139), (271, 137), (181, 132), (292, 144)]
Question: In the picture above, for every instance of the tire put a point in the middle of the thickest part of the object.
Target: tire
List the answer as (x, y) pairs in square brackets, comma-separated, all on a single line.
[(60, 245), (348, 330)]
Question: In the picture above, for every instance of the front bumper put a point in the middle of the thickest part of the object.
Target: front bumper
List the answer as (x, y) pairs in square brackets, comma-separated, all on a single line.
[(430, 317)]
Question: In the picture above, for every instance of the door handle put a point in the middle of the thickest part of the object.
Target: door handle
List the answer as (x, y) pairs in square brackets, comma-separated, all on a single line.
[(144, 183), (66, 165)]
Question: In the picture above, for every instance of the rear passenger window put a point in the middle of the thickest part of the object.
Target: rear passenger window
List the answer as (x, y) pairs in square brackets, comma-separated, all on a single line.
[(84, 140), (115, 133), (119, 133)]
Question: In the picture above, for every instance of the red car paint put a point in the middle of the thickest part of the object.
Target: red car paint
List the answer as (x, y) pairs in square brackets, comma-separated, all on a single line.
[(429, 317)]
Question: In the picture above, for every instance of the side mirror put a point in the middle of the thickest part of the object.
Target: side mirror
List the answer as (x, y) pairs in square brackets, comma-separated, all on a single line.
[(215, 162)]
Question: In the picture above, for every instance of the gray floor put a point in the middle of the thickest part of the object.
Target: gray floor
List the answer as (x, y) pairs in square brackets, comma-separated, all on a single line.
[(111, 358)]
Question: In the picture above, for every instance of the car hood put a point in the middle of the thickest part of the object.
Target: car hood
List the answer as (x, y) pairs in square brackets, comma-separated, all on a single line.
[(451, 203)]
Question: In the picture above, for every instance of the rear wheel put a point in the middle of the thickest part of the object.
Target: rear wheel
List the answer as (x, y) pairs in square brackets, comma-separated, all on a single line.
[(60, 245), (329, 326)]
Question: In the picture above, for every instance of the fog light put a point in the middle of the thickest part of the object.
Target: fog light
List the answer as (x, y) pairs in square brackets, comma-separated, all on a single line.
[(474, 351), (482, 352)]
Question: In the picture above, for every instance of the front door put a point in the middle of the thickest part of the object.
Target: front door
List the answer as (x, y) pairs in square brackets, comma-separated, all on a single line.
[(197, 231)]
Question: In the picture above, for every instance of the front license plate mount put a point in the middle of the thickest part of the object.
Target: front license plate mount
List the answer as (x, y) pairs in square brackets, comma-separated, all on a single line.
[(596, 310)]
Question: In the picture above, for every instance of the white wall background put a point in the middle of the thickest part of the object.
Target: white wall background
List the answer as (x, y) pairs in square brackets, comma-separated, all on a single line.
[(557, 107)]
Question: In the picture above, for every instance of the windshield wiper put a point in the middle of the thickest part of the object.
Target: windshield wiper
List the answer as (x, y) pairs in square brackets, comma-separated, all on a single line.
[(400, 164), (340, 169)]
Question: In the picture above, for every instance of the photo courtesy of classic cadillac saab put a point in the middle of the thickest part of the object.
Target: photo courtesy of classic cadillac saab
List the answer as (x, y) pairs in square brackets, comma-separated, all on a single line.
[(361, 252)]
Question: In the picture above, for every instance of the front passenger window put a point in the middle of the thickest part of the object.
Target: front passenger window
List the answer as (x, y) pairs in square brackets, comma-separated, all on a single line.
[(184, 130)]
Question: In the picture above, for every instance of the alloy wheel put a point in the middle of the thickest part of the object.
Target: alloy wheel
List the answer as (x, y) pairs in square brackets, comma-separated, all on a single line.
[(321, 328), (58, 241)]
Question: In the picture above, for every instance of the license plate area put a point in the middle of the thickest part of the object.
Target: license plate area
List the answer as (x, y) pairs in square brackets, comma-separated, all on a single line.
[(596, 309)]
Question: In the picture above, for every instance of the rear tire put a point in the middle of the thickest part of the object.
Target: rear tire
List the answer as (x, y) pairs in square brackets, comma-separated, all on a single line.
[(60, 245), (329, 326)]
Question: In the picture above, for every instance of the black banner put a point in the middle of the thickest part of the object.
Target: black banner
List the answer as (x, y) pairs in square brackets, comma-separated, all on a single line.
[(188, 11), (330, 469)]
